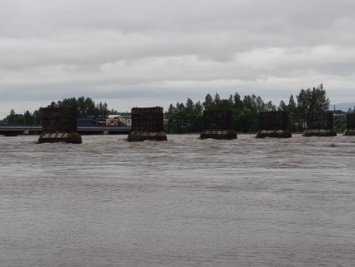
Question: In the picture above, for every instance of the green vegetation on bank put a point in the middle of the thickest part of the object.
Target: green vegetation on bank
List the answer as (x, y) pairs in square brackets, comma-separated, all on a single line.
[(86, 109), (188, 117)]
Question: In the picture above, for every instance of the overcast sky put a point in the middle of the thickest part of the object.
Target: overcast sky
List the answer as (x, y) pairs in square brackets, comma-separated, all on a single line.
[(152, 53)]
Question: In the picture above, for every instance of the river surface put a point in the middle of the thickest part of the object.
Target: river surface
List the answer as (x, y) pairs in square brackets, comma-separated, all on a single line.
[(184, 202)]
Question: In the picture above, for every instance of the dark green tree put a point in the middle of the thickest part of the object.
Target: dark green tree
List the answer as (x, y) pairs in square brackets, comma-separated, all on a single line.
[(209, 103), (313, 101)]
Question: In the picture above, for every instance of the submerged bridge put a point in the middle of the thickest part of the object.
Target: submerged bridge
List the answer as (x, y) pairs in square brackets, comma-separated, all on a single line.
[(12, 130)]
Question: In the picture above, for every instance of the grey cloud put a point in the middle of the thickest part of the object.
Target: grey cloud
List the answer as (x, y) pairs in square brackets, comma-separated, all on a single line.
[(168, 49)]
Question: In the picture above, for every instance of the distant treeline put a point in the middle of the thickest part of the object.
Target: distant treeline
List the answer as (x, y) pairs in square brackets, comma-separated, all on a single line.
[(86, 109), (188, 117)]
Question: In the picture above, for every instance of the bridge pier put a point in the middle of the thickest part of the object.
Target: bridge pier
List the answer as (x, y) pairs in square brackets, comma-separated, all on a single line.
[(59, 125), (218, 125), (320, 125), (350, 124), (147, 124), (273, 124)]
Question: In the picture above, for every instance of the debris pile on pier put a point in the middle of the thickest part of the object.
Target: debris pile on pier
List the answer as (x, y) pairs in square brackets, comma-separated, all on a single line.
[(59, 125), (320, 125), (147, 124), (273, 124), (218, 125), (350, 124)]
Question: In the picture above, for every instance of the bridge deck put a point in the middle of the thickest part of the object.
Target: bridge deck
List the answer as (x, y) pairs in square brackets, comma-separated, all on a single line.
[(18, 130)]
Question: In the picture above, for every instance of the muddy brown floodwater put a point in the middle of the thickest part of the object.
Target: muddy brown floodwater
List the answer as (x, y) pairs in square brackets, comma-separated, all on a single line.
[(184, 202)]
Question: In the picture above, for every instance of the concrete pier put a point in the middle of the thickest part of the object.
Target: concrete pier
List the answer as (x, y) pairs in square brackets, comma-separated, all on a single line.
[(273, 124), (218, 125), (320, 125), (350, 124), (147, 124), (59, 125)]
